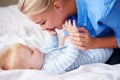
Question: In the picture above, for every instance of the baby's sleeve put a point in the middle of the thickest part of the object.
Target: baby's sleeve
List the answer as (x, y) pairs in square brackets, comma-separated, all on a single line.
[(51, 43), (63, 61)]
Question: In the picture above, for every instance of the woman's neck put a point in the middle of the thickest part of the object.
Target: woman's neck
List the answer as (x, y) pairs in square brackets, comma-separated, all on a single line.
[(72, 9)]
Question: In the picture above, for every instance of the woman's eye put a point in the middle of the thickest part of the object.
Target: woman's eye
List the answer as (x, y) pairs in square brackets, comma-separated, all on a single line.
[(43, 23)]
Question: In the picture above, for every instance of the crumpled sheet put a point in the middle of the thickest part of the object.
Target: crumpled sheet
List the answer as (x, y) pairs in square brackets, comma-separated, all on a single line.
[(97, 71)]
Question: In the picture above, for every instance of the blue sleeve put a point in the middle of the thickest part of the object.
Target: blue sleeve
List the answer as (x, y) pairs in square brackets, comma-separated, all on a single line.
[(63, 61), (52, 42), (112, 19)]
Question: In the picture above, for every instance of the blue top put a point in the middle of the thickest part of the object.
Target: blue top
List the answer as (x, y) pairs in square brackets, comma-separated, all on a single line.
[(112, 19), (94, 15)]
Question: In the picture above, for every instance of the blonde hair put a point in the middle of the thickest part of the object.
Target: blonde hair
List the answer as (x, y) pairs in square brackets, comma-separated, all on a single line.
[(36, 6), (9, 58)]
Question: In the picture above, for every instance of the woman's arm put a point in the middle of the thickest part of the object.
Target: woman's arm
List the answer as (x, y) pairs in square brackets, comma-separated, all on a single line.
[(106, 42), (84, 41)]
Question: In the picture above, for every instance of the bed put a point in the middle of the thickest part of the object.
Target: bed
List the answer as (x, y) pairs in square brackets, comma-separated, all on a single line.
[(15, 27)]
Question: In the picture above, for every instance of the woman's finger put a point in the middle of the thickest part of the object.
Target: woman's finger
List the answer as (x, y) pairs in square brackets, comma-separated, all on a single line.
[(76, 38), (80, 45), (82, 29), (80, 42)]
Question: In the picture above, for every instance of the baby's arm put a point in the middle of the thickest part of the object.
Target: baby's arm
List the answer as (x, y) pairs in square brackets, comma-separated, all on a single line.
[(67, 55), (51, 42), (65, 58)]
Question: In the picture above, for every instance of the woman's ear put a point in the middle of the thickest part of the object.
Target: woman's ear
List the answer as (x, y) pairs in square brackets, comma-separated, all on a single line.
[(58, 5)]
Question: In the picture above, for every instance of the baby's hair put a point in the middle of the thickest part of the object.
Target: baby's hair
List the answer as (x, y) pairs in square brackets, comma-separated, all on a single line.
[(36, 6), (9, 56)]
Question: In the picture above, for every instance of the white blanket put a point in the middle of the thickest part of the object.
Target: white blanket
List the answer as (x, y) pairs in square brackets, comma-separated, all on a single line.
[(15, 27), (96, 71)]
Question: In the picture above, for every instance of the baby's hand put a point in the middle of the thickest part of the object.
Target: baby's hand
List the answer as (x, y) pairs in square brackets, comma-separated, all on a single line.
[(70, 28)]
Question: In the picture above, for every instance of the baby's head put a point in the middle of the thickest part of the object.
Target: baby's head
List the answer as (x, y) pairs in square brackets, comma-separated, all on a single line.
[(19, 56)]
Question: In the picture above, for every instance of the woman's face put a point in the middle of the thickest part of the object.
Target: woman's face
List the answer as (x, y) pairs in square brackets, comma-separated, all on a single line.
[(52, 18), (49, 20), (56, 17)]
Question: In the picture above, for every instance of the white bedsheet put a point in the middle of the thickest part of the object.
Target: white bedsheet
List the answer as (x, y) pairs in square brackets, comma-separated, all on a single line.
[(15, 27), (96, 71)]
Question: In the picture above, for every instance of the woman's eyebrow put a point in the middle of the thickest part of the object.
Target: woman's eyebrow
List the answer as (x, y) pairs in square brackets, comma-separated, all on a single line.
[(37, 23)]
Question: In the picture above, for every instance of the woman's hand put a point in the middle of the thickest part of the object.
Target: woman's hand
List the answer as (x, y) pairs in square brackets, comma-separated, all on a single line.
[(80, 37), (82, 40)]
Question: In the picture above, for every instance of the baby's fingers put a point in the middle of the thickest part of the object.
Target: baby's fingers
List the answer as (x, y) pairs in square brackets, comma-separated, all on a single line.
[(69, 23), (74, 23)]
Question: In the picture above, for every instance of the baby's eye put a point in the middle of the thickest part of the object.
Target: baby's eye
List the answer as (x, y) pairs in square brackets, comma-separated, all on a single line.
[(32, 52)]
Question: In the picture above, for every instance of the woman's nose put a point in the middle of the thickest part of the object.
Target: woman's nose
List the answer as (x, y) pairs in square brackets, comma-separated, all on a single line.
[(45, 27)]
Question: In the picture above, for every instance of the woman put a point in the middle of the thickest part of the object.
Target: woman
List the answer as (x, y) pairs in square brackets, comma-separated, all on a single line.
[(51, 14)]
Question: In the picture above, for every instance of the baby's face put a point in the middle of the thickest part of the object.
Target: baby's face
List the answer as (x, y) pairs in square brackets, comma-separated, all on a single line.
[(33, 58)]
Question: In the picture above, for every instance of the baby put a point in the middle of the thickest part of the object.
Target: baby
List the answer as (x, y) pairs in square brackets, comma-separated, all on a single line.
[(50, 58), (19, 56)]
